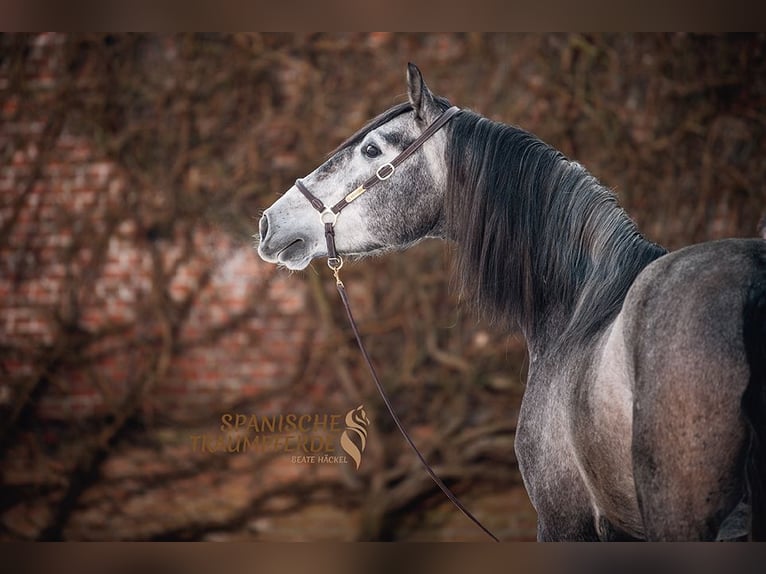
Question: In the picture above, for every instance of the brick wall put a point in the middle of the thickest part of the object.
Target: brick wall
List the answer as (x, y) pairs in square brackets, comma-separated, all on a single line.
[(243, 324), (88, 294)]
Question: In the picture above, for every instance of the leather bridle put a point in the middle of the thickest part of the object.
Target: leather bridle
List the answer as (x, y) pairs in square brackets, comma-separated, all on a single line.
[(329, 216)]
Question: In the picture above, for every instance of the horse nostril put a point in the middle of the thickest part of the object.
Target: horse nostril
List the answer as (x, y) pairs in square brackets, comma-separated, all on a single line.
[(263, 227)]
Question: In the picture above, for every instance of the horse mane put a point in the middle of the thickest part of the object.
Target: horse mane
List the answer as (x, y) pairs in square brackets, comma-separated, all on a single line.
[(539, 239)]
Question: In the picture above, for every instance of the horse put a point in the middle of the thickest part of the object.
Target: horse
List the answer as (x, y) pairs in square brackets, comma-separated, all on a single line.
[(643, 412)]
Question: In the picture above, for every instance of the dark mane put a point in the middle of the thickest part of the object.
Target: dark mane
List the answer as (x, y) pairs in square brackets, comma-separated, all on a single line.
[(540, 241)]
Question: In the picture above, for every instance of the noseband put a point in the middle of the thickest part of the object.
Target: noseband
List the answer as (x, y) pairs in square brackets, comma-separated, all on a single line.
[(329, 216)]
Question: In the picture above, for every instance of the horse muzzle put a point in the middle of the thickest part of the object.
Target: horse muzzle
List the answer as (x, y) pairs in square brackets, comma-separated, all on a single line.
[(293, 250)]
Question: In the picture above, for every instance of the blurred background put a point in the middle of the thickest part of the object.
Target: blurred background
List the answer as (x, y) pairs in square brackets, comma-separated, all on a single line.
[(134, 310)]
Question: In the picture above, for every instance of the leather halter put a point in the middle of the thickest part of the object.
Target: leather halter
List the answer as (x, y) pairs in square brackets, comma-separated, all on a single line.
[(329, 216)]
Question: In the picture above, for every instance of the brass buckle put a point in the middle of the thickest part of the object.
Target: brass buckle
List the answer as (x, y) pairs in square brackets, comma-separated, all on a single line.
[(335, 264)]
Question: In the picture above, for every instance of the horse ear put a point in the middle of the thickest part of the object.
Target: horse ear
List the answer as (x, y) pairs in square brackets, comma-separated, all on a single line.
[(421, 98)]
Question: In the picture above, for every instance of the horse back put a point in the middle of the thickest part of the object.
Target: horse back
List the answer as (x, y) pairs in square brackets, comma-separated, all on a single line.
[(685, 313)]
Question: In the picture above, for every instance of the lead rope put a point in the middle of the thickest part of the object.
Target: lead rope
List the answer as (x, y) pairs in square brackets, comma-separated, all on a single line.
[(335, 263), (328, 216)]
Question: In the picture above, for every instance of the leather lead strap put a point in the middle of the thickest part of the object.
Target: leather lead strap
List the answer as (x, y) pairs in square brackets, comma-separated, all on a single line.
[(328, 217), (444, 488)]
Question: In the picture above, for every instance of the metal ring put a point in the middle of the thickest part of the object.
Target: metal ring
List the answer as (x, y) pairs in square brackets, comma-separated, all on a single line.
[(328, 216), (335, 263), (389, 174)]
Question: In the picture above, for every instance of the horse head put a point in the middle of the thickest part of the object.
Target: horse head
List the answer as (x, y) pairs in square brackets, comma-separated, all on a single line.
[(404, 208)]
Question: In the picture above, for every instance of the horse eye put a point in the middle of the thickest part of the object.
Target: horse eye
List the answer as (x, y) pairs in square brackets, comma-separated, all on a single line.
[(371, 150)]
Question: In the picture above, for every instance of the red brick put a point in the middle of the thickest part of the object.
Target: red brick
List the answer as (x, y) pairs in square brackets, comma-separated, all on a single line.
[(76, 187)]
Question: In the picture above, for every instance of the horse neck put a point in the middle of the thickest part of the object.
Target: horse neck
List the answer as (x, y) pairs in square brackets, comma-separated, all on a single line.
[(541, 243)]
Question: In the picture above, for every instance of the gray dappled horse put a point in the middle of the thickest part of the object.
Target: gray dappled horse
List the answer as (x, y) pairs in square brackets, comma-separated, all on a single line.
[(643, 415)]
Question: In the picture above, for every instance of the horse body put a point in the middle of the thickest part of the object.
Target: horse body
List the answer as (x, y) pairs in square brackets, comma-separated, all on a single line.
[(643, 416), (640, 434)]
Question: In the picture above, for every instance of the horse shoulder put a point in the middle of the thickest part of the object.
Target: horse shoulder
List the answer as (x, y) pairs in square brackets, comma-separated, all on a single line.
[(602, 431), (548, 463)]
